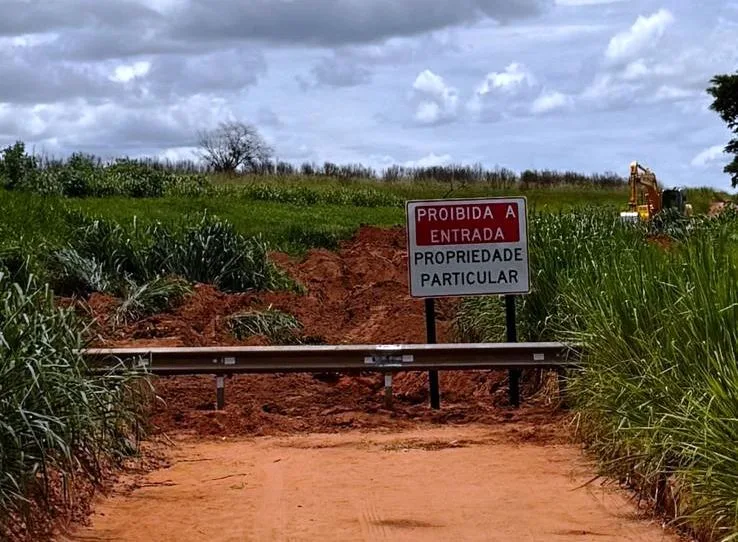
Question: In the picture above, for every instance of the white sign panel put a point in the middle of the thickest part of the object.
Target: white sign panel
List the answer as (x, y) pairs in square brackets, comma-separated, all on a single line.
[(468, 247)]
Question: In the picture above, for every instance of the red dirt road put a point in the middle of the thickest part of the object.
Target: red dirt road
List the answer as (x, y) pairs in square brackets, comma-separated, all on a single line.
[(300, 457), (447, 483)]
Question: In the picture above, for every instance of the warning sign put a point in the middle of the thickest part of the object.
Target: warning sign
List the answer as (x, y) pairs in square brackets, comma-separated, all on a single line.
[(468, 247)]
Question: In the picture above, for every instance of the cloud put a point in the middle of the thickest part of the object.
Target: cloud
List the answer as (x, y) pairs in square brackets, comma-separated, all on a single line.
[(338, 22), (550, 101), (514, 77), (19, 17), (503, 93), (677, 71), (126, 72), (113, 129), (636, 70), (267, 117), (709, 156), (187, 75), (644, 34), (438, 101), (429, 160), (29, 79), (336, 71)]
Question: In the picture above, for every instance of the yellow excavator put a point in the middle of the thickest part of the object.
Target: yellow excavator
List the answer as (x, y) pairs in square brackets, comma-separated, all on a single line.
[(652, 200)]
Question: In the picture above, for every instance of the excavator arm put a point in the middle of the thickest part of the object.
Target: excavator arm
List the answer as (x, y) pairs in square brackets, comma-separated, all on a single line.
[(642, 176)]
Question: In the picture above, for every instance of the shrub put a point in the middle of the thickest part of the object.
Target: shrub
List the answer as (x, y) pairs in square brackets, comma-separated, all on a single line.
[(277, 326), (56, 419), (211, 251), (200, 248), (16, 167), (155, 296)]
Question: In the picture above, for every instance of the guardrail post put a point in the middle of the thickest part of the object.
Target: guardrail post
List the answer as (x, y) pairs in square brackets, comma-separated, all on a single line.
[(430, 331), (219, 392), (388, 390), (512, 337), (561, 372)]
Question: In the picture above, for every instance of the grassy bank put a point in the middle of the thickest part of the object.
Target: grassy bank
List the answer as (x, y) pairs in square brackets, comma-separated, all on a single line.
[(60, 427), (657, 397)]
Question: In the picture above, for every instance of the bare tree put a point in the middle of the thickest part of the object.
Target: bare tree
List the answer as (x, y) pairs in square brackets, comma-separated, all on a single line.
[(232, 146)]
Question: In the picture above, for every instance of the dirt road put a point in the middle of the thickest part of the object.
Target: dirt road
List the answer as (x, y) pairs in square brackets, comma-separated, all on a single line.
[(445, 483)]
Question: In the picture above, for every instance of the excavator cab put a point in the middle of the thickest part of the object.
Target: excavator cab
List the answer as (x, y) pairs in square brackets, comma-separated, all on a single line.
[(675, 198)]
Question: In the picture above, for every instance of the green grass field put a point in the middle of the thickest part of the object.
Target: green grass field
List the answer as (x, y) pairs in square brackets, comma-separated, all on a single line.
[(303, 215)]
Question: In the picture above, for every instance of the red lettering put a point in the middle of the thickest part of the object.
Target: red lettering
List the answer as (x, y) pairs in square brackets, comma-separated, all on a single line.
[(467, 224)]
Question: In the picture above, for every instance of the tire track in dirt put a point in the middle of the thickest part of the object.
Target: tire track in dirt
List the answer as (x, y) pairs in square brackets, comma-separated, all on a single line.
[(272, 508), (411, 486)]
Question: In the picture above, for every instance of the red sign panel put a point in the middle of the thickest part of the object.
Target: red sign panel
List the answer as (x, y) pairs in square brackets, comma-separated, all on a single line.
[(467, 224)]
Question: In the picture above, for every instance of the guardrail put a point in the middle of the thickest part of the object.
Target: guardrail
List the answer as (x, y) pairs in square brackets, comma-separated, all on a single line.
[(387, 359)]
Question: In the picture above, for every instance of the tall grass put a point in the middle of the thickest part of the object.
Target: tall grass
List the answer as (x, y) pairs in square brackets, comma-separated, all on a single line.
[(277, 326), (656, 399), (103, 255), (152, 297), (658, 394), (560, 244), (56, 421)]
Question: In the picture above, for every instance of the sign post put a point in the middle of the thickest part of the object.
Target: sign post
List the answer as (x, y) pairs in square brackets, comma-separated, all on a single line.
[(430, 334), (466, 247), (512, 337)]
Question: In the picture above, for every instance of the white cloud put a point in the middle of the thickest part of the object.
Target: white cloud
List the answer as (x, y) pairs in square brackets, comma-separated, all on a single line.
[(500, 92), (175, 154), (431, 159), (635, 70), (127, 72), (644, 34), (671, 93), (438, 100), (516, 75), (428, 113), (709, 156), (550, 101)]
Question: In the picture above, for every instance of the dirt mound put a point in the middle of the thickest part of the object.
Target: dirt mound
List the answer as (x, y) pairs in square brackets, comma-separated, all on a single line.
[(356, 295)]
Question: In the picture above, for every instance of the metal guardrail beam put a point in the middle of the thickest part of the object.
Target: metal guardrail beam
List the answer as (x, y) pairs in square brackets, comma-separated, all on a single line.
[(380, 358)]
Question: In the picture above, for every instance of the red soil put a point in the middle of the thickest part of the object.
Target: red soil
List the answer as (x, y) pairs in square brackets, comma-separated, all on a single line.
[(357, 295)]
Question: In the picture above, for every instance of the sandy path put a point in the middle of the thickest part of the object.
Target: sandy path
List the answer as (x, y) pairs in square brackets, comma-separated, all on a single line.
[(462, 483)]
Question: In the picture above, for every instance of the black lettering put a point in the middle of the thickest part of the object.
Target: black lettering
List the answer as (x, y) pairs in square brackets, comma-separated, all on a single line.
[(461, 256), (424, 278), (514, 276), (518, 254), (418, 257), (447, 279), (470, 278)]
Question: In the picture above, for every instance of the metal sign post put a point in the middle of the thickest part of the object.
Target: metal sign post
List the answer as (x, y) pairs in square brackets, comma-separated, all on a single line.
[(466, 247), (430, 332), (512, 337)]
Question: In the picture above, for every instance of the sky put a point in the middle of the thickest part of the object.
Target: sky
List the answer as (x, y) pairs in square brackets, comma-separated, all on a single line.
[(584, 85)]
